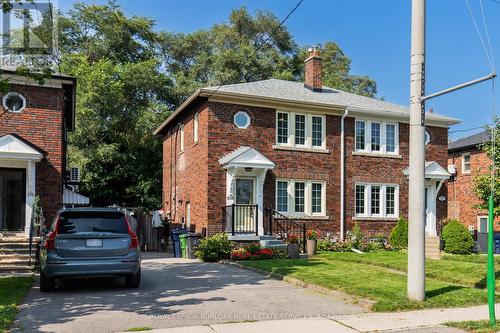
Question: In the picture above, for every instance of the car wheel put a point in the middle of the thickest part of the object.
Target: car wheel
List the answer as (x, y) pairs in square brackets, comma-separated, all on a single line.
[(134, 280), (47, 284)]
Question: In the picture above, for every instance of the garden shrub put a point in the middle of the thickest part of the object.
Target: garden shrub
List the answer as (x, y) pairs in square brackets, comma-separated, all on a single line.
[(214, 248), (399, 235), (457, 239), (356, 236)]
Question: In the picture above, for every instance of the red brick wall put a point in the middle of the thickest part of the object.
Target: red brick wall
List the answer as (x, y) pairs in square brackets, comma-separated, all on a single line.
[(224, 137), (462, 198), (41, 123), (185, 177)]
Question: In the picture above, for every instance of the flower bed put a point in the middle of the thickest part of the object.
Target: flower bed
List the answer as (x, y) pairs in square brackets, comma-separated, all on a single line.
[(254, 251)]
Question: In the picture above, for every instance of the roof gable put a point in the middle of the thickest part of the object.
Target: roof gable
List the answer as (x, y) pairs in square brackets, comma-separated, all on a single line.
[(15, 147), (246, 157), (433, 171)]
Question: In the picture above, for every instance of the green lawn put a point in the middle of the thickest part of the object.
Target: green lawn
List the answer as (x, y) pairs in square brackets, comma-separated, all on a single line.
[(367, 276), (480, 326), (12, 291), (465, 270)]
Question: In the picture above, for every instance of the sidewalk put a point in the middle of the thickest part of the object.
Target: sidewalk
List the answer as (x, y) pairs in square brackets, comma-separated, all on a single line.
[(422, 320)]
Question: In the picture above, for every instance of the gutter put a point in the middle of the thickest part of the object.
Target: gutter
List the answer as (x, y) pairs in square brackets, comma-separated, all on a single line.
[(342, 175)]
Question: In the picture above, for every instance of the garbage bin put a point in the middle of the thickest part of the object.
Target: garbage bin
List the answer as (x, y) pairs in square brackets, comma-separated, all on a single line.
[(174, 235), (183, 240), (192, 244)]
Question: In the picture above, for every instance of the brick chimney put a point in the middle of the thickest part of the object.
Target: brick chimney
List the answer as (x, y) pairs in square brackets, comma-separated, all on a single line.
[(313, 70)]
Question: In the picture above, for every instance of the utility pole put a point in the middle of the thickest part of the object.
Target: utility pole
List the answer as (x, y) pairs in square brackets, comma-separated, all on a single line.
[(416, 227)]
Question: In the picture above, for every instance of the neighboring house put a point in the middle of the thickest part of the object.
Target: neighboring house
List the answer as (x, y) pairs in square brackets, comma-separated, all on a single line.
[(313, 154), (34, 122), (466, 160)]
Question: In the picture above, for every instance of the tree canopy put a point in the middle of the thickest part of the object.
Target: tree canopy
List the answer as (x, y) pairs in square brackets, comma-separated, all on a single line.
[(131, 76)]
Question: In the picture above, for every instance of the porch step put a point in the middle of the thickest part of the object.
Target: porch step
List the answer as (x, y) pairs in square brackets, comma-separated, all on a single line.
[(432, 247), (14, 255), (15, 268), (269, 243), (14, 261)]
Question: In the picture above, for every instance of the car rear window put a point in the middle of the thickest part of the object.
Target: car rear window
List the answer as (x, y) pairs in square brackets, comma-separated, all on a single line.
[(77, 222)]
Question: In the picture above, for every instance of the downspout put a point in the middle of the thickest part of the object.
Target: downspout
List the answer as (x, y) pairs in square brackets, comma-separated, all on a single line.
[(342, 175)]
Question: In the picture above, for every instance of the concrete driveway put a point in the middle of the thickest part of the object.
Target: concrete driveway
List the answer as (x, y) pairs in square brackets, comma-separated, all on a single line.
[(174, 292)]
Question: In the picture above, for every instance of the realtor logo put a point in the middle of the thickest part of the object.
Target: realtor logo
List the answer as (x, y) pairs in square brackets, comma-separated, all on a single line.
[(28, 28)]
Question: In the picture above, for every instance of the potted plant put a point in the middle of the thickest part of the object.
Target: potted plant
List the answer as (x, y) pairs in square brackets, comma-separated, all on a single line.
[(312, 242), (293, 246)]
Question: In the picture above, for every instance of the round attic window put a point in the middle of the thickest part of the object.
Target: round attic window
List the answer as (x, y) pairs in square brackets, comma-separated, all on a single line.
[(14, 102), (241, 119)]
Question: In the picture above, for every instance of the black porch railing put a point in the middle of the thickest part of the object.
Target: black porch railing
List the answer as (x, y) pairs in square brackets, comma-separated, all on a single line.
[(280, 226), (241, 219)]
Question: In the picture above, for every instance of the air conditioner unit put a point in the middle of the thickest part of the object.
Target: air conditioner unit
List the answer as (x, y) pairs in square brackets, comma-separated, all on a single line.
[(74, 175)]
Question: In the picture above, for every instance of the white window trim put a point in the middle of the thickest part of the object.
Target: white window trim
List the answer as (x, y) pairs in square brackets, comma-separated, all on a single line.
[(246, 115), (195, 127), (383, 200), (181, 129), (19, 95), (479, 217), (383, 137), (307, 197), (308, 131), (463, 164)]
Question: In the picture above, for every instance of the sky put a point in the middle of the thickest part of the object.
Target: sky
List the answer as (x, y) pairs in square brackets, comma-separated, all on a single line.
[(376, 36)]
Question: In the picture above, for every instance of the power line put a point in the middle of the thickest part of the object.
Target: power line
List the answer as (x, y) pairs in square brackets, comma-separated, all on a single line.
[(468, 129), (487, 34), (478, 31), (265, 40)]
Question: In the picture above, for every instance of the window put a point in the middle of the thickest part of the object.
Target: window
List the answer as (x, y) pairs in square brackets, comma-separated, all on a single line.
[(282, 128), (482, 224), (360, 135), (182, 137), (300, 130), (376, 137), (427, 138), (466, 165), (14, 102), (195, 127), (282, 196), (300, 189), (241, 119), (317, 131), (376, 200), (390, 199), (390, 138), (300, 197), (317, 194), (360, 199)]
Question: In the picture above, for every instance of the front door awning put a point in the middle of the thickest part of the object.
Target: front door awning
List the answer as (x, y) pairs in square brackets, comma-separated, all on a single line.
[(14, 147), (246, 157), (433, 171)]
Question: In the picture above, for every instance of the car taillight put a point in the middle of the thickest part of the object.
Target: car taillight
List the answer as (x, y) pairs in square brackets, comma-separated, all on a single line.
[(134, 241), (50, 240)]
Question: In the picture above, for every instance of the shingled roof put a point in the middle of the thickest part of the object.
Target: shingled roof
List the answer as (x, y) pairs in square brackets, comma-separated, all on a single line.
[(468, 142)]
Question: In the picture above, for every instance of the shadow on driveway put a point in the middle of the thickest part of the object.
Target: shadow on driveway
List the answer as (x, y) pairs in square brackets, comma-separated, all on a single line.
[(174, 292)]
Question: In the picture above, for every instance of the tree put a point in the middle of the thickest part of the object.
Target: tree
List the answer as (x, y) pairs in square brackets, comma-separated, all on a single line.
[(122, 96), (483, 181)]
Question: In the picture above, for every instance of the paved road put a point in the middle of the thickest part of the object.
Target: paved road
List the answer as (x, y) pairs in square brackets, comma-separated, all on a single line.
[(173, 293)]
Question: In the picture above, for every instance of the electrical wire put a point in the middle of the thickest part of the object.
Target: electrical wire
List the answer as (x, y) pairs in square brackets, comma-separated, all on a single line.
[(478, 31), (487, 34), (265, 40), (467, 129)]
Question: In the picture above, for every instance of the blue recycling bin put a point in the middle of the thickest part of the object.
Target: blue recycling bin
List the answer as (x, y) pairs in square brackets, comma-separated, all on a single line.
[(496, 238), (174, 236)]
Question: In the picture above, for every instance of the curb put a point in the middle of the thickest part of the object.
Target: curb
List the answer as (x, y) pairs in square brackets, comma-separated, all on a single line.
[(366, 303)]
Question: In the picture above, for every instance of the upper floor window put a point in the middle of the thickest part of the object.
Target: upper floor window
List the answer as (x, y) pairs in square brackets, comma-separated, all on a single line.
[(14, 102), (181, 134), (376, 137), (466, 165), (376, 200), (301, 197), (195, 127), (241, 119), (300, 130)]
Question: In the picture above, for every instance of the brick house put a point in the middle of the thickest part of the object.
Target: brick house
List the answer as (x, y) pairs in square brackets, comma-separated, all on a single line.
[(466, 160), (303, 151), (34, 122)]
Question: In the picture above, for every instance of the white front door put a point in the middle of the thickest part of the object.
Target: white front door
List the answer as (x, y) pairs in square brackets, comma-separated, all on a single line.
[(430, 209), (244, 221)]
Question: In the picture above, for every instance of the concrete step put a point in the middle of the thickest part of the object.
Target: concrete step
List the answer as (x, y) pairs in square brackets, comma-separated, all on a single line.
[(15, 255), (15, 268), (15, 245), (272, 243), (14, 240), (22, 251), (14, 261)]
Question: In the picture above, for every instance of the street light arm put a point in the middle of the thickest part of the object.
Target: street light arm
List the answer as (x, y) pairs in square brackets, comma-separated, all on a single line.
[(490, 76)]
